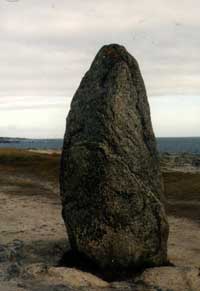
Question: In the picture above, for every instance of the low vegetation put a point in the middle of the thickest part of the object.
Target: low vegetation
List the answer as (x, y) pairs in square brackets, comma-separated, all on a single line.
[(22, 169), (182, 191), (182, 186), (28, 162)]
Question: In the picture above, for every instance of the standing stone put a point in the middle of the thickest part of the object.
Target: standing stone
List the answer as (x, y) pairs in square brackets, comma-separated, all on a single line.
[(111, 185)]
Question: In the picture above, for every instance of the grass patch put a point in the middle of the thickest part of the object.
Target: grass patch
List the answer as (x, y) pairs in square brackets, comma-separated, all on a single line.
[(182, 186), (184, 210), (44, 166), (182, 191)]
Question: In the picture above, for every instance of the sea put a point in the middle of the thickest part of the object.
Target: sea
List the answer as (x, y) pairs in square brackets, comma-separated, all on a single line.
[(164, 144)]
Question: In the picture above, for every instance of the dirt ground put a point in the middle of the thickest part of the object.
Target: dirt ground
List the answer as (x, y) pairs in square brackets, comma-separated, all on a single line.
[(33, 236)]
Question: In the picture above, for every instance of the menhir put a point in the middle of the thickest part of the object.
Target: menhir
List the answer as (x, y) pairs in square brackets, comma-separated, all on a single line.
[(111, 184)]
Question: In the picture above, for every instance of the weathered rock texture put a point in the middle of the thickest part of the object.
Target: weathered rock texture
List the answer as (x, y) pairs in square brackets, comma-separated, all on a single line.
[(110, 178)]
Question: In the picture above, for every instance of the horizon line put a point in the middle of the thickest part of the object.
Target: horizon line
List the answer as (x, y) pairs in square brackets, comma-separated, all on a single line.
[(15, 137)]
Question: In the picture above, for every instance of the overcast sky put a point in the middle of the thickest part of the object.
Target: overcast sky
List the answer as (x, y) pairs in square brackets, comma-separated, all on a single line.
[(47, 46)]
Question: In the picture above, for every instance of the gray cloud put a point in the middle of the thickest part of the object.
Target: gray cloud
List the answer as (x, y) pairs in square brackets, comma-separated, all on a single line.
[(47, 46)]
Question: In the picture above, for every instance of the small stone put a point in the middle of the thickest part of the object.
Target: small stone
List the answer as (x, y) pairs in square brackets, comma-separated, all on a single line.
[(16, 251), (34, 270), (14, 270), (3, 254), (172, 278)]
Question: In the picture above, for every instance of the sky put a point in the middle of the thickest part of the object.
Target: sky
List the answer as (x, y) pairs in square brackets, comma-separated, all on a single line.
[(47, 46)]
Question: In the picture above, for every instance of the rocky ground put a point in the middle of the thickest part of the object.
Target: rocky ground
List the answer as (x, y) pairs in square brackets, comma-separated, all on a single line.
[(33, 238), (184, 162)]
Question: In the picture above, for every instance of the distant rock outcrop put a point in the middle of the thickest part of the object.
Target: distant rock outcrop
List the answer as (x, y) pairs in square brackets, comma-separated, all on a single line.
[(111, 185), (180, 162)]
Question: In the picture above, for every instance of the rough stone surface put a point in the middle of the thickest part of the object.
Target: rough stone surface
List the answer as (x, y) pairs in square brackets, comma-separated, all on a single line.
[(111, 184), (172, 278)]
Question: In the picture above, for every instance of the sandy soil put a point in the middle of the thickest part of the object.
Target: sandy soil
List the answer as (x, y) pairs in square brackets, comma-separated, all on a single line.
[(33, 240)]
